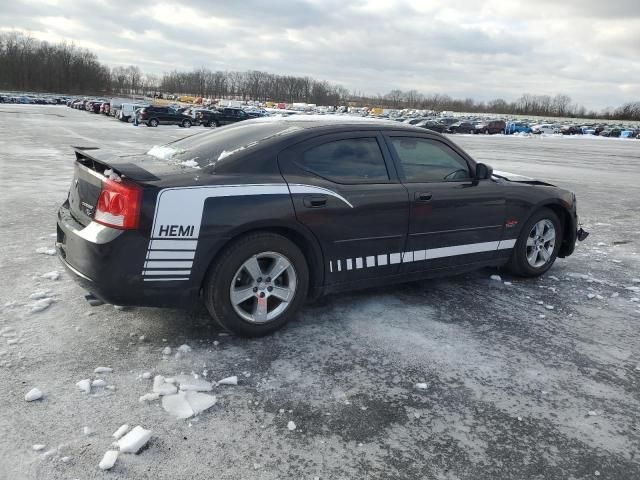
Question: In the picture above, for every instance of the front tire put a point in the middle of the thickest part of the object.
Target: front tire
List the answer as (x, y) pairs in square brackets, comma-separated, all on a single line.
[(538, 244), (257, 284)]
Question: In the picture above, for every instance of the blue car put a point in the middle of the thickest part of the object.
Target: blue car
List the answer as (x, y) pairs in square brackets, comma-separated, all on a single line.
[(517, 127)]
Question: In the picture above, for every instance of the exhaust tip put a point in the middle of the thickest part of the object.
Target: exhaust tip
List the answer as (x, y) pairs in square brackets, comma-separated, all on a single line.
[(93, 300)]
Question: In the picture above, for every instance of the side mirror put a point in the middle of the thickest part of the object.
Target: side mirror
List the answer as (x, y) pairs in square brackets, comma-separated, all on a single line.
[(483, 172)]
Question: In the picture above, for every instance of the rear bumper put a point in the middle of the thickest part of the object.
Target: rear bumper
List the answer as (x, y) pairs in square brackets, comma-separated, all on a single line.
[(108, 263)]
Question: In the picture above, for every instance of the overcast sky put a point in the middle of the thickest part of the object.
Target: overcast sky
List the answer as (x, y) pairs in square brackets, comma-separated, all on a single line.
[(588, 49)]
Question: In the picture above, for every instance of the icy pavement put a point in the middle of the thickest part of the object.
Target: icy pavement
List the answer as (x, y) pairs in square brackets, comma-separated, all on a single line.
[(460, 378)]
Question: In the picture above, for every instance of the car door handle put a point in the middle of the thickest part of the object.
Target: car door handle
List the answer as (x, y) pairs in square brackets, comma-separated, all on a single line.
[(423, 196), (315, 201)]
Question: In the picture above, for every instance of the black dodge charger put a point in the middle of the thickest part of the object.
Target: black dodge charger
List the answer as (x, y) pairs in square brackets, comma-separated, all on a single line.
[(256, 217)]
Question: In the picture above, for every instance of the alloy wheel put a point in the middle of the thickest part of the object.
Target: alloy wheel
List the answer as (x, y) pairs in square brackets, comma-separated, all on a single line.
[(541, 243), (263, 287)]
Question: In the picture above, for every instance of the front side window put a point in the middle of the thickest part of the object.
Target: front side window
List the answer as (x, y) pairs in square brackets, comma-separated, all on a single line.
[(354, 160), (424, 160)]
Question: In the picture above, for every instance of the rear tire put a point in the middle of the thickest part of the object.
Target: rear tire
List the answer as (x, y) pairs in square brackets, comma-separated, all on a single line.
[(229, 273), (153, 122), (538, 244), (186, 124)]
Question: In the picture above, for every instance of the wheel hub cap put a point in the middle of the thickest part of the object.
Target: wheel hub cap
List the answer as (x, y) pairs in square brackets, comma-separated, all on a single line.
[(263, 287), (541, 243)]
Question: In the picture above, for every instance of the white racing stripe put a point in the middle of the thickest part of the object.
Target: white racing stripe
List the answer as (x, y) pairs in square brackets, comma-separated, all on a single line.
[(422, 255), (184, 206)]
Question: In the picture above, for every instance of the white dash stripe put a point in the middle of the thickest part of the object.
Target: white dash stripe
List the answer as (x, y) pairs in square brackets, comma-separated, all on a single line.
[(167, 264), (164, 279), (166, 272), (173, 244), (170, 255)]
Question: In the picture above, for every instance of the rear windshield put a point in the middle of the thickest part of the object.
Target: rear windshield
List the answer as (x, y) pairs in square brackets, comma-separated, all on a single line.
[(205, 149)]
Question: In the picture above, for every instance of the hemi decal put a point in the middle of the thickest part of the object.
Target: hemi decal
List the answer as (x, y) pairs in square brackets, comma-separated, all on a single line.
[(427, 254), (178, 217)]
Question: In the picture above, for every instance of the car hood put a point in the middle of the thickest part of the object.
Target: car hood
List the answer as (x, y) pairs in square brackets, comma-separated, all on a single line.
[(514, 177)]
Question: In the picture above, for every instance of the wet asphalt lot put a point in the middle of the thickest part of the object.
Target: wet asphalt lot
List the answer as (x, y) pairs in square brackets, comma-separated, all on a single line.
[(514, 389)]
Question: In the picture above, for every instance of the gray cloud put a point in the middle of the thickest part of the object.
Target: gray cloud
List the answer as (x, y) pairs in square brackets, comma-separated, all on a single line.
[(484, 50)]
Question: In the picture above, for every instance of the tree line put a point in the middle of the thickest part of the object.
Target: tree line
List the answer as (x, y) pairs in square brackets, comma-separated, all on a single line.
[(27, 64)]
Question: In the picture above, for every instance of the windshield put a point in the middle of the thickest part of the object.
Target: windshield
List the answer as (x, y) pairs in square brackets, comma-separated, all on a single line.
[(202, 150)]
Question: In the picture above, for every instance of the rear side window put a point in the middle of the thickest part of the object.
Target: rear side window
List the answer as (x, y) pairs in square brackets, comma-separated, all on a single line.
[(354, 160), (424, 160)]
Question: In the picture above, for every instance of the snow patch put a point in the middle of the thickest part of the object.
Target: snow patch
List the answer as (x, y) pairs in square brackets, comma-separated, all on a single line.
[(53, 275), (41, 305), (103, 370), (46, 251), (291, 426)]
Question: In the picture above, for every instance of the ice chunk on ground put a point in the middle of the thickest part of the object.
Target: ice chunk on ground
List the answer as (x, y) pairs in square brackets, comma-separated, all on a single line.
[(184, 348), (188, 382), (87, 431), (291, 426), (46, 251), (549, 307), (229, 381), (591, 295), (149, 397), (84, 385), (120, 431), (497, 278), (163, 388), (49, 453), (146, 375), (37, 447), (103, 370), (177, 405), (98, 382), (133, 441), (65, 459), (166, 351), (41, 305), (187, 404), (109, 460), (53, 275), (39, 295), (200, 401), (421, 386), (33, 394)]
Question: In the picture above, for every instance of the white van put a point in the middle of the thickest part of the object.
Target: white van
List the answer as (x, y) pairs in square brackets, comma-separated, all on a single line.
[(127, 110)]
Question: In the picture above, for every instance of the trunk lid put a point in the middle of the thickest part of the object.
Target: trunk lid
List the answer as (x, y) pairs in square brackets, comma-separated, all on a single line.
[(94, 166)]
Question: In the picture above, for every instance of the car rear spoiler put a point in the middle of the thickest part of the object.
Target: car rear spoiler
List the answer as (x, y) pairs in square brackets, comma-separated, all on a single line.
[(101, 160)]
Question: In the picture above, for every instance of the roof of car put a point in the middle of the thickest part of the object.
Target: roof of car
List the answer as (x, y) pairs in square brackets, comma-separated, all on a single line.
[(317, 121)]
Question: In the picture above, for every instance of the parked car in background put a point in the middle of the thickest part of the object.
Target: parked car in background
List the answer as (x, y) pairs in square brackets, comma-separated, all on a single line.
[(462, 127), (491, 127), (154, 115), (517, 127), (432, 125), (570, 130), (545, 128)]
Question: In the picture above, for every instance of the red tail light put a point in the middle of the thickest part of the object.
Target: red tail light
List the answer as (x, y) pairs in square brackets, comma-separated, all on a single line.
[(119, 205)]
